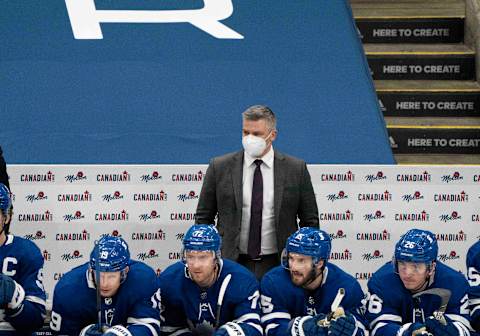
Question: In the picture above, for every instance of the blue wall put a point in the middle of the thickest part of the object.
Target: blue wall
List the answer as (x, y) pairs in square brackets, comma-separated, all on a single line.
[(171, 93)]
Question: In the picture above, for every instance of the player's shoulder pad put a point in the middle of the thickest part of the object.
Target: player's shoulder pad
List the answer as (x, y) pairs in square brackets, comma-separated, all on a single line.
[(73, 286), (473, 255), (385, 282), (342, 278), (141, 273), (171, 277), (242, 281), (447, 277), (27, 249)]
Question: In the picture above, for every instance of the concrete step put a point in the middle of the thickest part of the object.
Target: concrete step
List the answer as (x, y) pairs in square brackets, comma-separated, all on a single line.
[(429, 98), (421, 61)]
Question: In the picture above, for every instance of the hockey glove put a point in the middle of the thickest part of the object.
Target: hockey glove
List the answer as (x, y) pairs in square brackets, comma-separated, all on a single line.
[(308, 326), (343, 326), (117, 330), (439, 329), (229, 328), (92, 330), (11, 295), (413, 329)]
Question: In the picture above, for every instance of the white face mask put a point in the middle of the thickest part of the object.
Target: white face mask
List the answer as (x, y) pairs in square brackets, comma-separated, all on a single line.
[(254, 145)]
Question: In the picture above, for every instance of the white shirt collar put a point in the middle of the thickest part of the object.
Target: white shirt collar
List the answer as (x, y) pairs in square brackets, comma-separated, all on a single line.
[(267, 158)]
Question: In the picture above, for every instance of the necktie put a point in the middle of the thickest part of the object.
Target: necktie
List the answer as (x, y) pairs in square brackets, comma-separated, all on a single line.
[(254, 237)]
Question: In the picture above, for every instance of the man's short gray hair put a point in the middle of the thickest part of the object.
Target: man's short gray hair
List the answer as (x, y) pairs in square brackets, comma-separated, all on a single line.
[(259, 112)]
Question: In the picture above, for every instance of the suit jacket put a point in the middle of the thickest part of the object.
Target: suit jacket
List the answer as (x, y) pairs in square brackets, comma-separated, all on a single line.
[(222, 196)]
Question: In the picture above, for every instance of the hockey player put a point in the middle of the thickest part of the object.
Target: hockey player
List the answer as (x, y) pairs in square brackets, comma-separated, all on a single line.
[(206, 295), (128, 302), (398, 301), (22, 297), (297, 296), (473, 273)]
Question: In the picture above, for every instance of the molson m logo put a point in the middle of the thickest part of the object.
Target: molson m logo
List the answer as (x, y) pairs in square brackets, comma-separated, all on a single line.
[(73, 178), (379, 176), (73, 217), (448, 256), (38, 197), (150, 255), (85, 18), (370, 217), (451, 178), (146, 217), (153, 177), (339, 235), (412, 197), (447, 218), (375, 255), (72, 256), (38, 235), (335, 197)]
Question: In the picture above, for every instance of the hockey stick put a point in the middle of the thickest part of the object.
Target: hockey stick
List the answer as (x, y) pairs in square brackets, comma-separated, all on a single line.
[(221, 294), (335, 308), (444, 295)]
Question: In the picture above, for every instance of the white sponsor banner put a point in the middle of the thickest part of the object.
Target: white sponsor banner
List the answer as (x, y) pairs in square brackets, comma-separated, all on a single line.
[(365, 209)]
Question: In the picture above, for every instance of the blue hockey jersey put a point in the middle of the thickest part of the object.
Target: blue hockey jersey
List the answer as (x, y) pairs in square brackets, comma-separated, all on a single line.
[(188, 309), (134, 306), (283, 301), (390, 304), (23, 262), (473, 273)]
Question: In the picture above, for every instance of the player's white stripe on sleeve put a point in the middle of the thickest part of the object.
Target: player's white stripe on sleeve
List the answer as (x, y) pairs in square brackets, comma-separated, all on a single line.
[(143, 320), (360, 325), (379, 325), (272, 316), (18, 312), (270, 327), (168, 329), (474, 309), (256, 326), (250, 316), (146, 322), (403, 328), (462, 330), (386, 317), (474, 301), (35, 299), (460, 319), (179, 332)]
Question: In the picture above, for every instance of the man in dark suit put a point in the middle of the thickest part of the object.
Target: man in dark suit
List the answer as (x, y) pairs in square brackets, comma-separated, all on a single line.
[(257, 194)]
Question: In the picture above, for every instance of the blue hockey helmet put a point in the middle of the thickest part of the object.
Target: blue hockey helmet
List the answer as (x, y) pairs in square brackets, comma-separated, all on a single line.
[(418, 246), (5, 200), (202, 237), (112, 253), (308, 241)]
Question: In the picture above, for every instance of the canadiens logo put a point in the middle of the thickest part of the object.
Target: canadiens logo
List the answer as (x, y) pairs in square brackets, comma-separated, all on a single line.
[(160, 196), (112, 197), (447, 218), (412, 197), (335, 197), (345, 255), (336, 216), (370, 256), (384, 235), (198, 177), (74, 178), (84, 197), (190, 196), (450, 256), (475, 218), (151, 177), (158, 235), (424, 177), (84, 235), (461, 197), (72, 256), (47, 216), (339, 235), (412, 217), (383, 197), (47, 256), (338, 177), (180, 235), (181, 216), (147, 255), (37, 236), (76, 216), (38, 197), (112, 216), (476, 178), (379, 176), (123, 177), (460, 236), (451, 178), (146, 217), (370, 217), (48, 177)]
